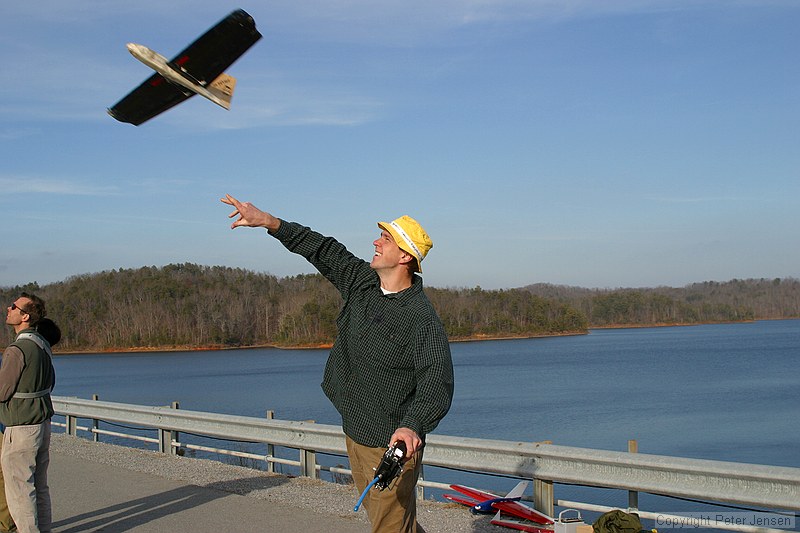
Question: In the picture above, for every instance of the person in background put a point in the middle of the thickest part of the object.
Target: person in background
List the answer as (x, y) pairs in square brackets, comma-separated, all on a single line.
[(49, 330), (52, 334), (389, 373), (27, 377)]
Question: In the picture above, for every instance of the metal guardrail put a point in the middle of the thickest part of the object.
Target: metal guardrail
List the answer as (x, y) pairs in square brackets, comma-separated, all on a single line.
[(771, 487)]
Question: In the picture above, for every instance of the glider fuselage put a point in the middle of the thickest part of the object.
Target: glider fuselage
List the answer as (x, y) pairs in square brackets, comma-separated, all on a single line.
[(173, 73)]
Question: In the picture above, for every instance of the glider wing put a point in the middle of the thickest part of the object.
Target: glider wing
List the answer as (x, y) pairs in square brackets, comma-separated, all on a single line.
[(202, 62)]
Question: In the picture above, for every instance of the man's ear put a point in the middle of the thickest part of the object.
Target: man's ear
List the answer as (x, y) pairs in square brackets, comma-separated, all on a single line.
[(406, 257)]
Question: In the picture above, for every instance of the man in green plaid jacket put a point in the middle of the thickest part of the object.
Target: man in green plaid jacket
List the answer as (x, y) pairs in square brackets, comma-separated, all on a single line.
[(389, 373)]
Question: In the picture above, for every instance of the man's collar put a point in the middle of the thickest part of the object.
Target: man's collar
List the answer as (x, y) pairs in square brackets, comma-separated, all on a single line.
[(27, 329), (416, 286)]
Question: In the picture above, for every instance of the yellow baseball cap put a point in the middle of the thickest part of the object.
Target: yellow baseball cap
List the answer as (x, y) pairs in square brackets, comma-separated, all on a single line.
[(410, 237)]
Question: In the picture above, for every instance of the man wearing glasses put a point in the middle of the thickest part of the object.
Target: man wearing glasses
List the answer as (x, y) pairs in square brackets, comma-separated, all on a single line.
[(26, 379)]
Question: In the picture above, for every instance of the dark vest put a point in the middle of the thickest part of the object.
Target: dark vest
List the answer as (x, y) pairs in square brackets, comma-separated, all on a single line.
[(31, 403)]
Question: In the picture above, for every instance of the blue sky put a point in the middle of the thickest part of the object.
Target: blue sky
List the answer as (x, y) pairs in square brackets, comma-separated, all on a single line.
[(613, 143)]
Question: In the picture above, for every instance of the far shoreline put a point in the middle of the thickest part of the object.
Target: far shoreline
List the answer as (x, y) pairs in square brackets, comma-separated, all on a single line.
[(321, 346), (327, 346)]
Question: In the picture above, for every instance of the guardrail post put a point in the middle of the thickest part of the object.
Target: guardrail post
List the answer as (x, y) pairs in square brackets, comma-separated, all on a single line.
[(543, 496), (270, 447), (633, 496), (308, 463), (95, 423), (164, 440), (166, 436), (173, 435), (72, 425)]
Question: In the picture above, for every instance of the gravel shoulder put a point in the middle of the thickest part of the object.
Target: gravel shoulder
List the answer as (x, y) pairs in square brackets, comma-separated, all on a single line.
[(314, 496)]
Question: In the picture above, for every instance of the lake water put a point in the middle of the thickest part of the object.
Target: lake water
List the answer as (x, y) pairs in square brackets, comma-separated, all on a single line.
[(726, 392)]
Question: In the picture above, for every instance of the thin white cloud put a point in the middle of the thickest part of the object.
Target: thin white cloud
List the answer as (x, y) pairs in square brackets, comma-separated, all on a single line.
[(90, 11), (696, 199), (12, 134), (291, 110), (27, 185)]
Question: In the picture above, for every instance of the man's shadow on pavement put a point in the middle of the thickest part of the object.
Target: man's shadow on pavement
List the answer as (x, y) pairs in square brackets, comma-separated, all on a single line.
[(136, 513)]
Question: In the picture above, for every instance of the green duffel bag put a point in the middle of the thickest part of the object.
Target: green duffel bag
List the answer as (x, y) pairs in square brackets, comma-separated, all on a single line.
[(617, 521)]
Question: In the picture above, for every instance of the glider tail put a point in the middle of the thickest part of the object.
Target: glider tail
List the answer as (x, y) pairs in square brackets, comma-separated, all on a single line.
[(222, 88), (518, 491)]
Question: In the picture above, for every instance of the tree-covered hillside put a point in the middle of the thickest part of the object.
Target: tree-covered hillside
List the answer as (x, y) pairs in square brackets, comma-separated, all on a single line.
[(187, 305), (709, 301), (193, 306)]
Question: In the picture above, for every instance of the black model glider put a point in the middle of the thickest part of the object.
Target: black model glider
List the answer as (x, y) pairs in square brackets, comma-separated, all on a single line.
[(197, 70)]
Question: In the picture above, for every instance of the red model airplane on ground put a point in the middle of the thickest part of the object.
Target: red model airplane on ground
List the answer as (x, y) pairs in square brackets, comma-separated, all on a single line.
[(485, 502)]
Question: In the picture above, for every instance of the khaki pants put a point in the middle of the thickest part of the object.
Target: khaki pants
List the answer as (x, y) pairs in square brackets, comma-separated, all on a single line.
[(25, 457), (392, 510), (6, 522)]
